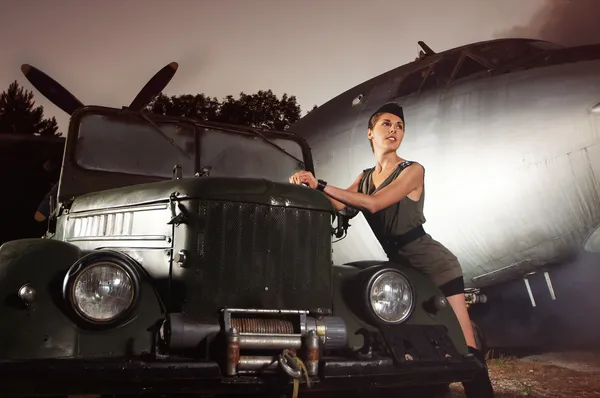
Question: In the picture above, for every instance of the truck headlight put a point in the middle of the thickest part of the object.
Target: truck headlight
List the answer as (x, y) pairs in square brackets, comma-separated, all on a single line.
[(391, 297), (102, 292)]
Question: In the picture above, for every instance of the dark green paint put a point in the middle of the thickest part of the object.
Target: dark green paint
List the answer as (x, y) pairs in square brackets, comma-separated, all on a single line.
[(248, 190), (422, 314), (44, 328)]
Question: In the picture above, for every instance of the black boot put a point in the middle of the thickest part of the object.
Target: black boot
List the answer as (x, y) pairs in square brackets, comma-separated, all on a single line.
[(481, 385)]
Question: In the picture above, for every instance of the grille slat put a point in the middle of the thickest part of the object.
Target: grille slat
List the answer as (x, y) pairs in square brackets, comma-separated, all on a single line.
[(258, 256)]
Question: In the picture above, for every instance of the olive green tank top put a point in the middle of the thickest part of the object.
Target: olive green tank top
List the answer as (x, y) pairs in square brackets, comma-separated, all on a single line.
[(398, 218)]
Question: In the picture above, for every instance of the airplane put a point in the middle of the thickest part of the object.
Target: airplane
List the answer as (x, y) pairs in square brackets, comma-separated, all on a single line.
[(508, 133)]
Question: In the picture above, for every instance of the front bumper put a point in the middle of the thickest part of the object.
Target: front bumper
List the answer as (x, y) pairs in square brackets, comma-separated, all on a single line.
[(76, 376)]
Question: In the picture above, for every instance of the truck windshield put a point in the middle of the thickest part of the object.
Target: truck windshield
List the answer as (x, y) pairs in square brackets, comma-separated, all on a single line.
[(234, 155), (141, 147)]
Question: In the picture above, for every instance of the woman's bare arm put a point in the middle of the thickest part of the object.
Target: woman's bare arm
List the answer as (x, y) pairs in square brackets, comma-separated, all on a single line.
[(409, 180), (339, 206)]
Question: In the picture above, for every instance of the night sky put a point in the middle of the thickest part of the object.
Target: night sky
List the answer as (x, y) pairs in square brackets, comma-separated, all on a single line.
[(104, 52)]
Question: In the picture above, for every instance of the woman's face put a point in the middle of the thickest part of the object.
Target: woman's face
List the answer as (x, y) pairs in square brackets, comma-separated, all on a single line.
[(387, 133)]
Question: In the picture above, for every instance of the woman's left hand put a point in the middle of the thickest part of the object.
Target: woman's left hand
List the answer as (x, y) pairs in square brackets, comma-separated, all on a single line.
[(305, 177)]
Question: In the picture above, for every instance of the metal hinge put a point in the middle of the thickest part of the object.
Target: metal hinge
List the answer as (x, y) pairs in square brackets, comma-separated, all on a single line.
[(174, 205)]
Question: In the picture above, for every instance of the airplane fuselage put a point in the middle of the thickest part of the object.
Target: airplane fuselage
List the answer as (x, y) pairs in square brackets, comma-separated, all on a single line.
[(511, 157)]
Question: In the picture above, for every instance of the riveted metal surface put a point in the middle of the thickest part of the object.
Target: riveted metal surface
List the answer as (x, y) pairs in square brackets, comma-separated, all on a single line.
[(258, 256)]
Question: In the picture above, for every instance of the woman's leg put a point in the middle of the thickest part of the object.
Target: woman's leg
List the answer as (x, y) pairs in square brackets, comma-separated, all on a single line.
[(459, 305), (433, 259), (454, 290), (481, 386)]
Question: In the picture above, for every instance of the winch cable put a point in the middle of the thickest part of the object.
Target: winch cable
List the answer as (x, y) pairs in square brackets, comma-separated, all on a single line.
[(292, 357)]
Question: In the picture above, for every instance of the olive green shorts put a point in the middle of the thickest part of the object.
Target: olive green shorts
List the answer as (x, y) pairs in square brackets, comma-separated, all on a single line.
[(431, 258)]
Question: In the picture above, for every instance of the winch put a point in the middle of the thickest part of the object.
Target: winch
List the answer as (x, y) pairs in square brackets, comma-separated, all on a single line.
[(261, 340), (280, 335)]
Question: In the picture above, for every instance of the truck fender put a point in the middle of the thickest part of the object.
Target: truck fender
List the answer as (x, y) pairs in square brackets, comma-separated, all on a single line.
[(351, 301), (31, 276), (38, 320)]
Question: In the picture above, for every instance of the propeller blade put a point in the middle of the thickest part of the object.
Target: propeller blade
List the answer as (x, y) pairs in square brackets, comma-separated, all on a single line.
[(154, 86), (51, 89)]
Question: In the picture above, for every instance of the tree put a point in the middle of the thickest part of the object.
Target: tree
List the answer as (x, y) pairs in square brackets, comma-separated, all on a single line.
[(19, 115), (262, 109), (196, 106)]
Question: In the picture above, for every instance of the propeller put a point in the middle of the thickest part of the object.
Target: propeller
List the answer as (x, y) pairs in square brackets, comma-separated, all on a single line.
[(154, 86), (66, 101), (51, 89)]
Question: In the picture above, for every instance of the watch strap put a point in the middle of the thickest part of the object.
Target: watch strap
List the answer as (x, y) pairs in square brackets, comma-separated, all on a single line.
[(321, 184)]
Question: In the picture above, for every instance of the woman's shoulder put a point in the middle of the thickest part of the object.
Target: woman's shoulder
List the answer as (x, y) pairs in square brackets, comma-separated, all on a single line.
[(368, 170), (405, 163), (401, 166)]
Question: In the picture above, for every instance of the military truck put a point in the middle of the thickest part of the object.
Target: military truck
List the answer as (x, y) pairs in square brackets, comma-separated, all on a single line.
[(179, 259)]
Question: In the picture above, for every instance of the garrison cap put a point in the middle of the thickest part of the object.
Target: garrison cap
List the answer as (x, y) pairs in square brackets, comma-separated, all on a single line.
[(391, 107)]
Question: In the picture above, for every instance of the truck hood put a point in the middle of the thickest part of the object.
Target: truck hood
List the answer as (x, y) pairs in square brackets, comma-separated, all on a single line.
[(247, 190)]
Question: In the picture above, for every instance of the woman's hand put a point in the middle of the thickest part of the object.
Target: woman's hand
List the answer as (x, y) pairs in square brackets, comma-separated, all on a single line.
[(304, 177)]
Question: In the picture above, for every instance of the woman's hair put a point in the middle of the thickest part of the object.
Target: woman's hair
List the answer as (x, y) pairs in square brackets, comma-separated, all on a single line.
[(374, 119), (371, 124)]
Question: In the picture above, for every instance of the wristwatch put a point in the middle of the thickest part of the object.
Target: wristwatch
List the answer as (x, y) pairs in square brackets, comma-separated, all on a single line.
[(321, 184)]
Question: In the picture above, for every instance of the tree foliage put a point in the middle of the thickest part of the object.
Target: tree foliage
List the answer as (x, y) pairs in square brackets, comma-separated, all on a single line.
[(19, 115), (262, 109), (196, 106)]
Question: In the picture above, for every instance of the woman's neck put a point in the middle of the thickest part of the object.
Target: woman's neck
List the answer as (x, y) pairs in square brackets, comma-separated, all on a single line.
[(386, 161)]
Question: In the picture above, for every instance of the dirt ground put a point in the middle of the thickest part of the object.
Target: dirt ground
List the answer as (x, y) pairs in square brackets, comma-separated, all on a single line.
[(574, 374)]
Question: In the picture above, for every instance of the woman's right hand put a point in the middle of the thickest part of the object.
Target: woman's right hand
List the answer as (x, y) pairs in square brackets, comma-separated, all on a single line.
[(304, 178), (295, 179)]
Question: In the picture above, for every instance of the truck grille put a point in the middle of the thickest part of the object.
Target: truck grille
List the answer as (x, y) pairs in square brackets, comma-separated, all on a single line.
[(257, 256)]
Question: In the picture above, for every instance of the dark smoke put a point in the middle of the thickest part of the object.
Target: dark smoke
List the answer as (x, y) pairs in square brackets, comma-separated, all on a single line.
[(510, 321), (566, 22)]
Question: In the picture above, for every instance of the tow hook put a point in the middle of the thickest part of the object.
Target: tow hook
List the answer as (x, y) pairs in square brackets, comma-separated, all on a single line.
[(294, 367), (290, 365)]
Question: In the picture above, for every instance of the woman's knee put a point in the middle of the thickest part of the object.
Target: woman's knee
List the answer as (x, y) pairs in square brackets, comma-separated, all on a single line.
[(453, 287)]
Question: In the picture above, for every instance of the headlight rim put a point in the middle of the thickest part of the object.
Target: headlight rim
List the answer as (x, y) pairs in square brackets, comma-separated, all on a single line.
[(369, 286), (81, 272), (120, 260)]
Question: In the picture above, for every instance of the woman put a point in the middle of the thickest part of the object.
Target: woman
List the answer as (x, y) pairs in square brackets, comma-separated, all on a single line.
[(391, 196)]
